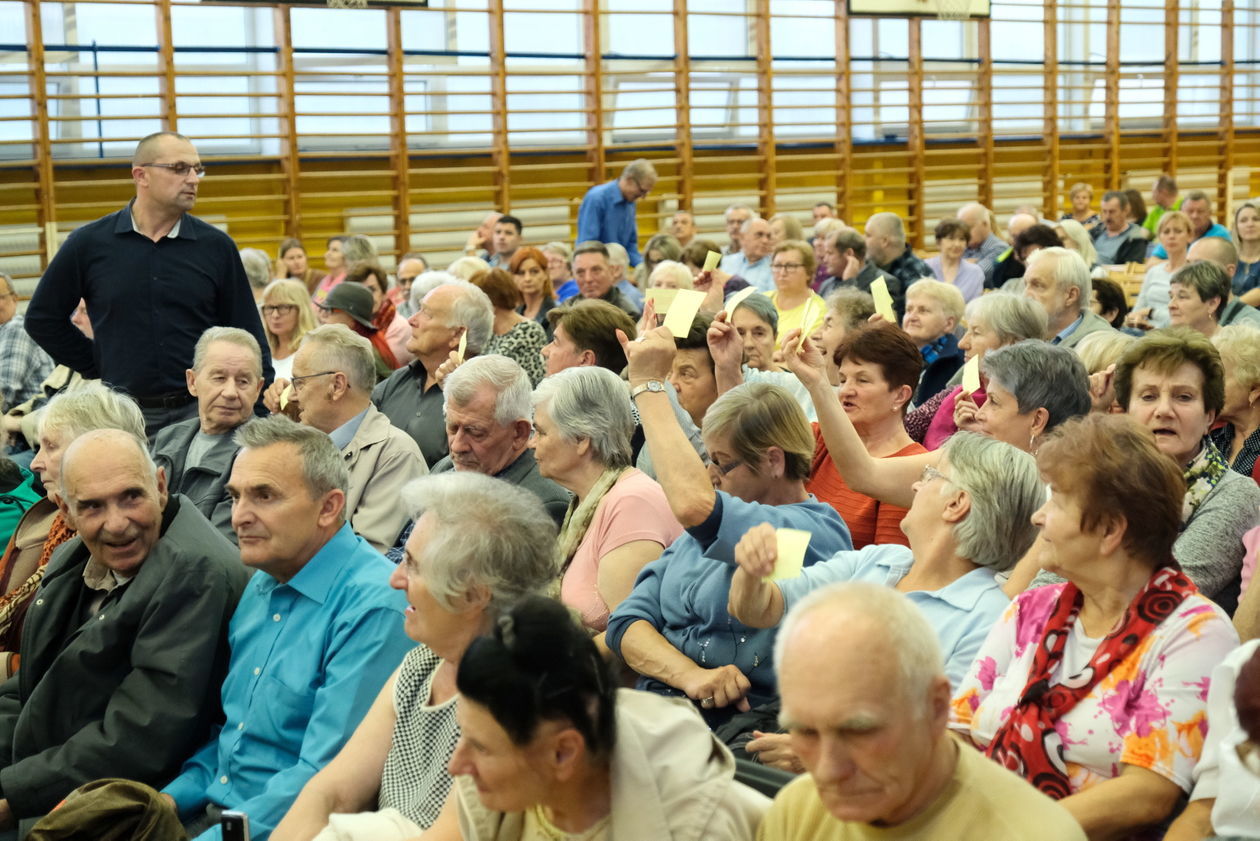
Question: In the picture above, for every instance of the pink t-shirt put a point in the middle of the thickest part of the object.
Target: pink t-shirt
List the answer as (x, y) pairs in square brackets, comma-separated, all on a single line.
[(942, 425), (633, 509)]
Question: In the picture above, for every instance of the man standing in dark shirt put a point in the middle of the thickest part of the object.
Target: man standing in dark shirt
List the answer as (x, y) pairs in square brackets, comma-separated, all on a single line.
[(154, 278)]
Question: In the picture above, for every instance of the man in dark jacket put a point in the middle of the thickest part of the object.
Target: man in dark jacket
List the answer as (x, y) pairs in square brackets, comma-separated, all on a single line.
[(125, 645)]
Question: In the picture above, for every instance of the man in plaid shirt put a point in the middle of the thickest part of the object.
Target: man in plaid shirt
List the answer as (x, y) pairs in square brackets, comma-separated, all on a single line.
[(23, 365)]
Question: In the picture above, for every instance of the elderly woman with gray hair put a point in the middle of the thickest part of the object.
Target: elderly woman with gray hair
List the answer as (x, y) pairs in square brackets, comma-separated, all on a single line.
[(993, 321), (619, 520), (43, 528), (479, 546)]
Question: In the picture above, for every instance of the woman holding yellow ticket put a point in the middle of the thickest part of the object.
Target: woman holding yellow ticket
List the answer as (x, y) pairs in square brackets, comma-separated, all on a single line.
[(792, 267)]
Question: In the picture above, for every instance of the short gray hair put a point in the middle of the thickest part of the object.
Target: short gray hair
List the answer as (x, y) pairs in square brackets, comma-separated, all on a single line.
[(341, 349), (1005, 489), (1239, 345), (889, 225), (744, 226), (358, 249), (945, 294), (593, 403), (902, 626), (426, 282), (257, 267), (761, 306), (672, 268), (1069, 270), (727, 212), (487, 534), (231, 335), (1012, 317), (473, 311), (465, 268), (1101, 348), (92, 405), (323, 468), (617, 255), (504, 376), (1041, 376), (639, 169)]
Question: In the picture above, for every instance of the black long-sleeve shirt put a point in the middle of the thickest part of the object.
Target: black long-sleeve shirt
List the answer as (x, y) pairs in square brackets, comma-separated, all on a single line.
[(149, 302)]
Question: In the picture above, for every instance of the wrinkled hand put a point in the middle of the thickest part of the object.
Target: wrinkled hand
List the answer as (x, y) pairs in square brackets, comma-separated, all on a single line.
[(757, 551), (726, 685), (852, 267), (650, 357), (453, 361), (803, 358), (271, 397), (1102, 389), (714, 295), (725, 345), (965, 410), (775, 749)]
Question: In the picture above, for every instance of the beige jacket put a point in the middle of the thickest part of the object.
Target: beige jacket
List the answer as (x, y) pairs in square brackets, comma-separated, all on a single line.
[(671, 781), (381, 459)]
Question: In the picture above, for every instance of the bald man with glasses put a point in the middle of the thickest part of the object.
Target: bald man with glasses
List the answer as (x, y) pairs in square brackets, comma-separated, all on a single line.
[(154, 278)]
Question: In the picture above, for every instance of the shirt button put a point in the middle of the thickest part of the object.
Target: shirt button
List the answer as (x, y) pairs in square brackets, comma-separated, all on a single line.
[(275, 617), (240, 726), (257, 671), (39, 601), (102, 616), (223, 779)]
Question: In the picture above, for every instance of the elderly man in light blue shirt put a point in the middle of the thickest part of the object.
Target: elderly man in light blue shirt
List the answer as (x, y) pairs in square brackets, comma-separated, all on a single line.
[(315, 636), (970, 519), (752, 261), (607, 211)]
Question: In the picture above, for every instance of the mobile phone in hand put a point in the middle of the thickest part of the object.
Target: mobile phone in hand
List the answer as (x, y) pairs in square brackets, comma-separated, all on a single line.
[(235, 826)]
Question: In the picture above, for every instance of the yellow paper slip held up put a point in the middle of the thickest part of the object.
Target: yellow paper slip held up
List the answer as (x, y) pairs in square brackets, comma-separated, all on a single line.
[(883, 300), (792, 544), (737, 299), (711, 261), (662, 299), (463, 344), (683, 311), (285, 396), (971, 375)]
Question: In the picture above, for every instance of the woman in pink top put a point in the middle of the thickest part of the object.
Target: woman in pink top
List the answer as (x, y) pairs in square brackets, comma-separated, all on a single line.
[(993, 321), (619, 520)]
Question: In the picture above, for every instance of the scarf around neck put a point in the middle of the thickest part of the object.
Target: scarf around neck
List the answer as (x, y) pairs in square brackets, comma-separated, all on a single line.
[(578, 518)]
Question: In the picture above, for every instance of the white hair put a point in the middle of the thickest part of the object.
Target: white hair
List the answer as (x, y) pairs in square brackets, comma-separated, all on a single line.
[(508, 380)]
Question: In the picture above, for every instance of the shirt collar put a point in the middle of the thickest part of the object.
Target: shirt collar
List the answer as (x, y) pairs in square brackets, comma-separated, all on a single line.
[(1067, 331), (344, 434), (317, 577), (962, 593), (127, 222), (99, 577)]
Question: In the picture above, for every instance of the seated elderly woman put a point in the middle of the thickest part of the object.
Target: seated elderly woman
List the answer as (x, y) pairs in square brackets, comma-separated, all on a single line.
[(670, 274), (1093, 690), (619, 519), (879, 368), (1151, 307), (1197, 295), (1238, 438), (43, 527), (518, 338), (756, 321), (550, 748), (673, 628), (932, 312), (479, 545), (792, 268), (949, 266), (1033, 387), (785, 227), (970, 520), (1073, 236), (1171, 381), (847, 309), (993, 321), (659, 248)]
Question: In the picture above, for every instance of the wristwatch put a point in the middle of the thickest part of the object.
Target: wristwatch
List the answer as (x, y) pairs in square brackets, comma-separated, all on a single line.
[(657, 386)]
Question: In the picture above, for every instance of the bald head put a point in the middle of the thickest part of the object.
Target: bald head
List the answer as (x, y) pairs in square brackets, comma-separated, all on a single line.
[(1019, 223), (1216, 249), (978, 218), (114, 445)]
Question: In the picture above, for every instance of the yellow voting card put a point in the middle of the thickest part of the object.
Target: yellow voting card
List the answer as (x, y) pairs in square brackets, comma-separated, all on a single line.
[(792, 544)]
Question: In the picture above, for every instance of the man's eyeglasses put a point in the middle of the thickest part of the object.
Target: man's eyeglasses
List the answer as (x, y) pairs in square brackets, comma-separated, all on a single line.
[(296, 382), (785, 267), (181, 169), (278, 309)]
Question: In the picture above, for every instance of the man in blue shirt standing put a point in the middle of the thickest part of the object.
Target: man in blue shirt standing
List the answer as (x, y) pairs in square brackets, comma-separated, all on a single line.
[(315, 636), (607, 211)]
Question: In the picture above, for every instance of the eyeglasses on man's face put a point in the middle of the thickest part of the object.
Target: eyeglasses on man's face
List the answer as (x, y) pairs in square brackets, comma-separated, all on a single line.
[(181, 169), (297, 382)]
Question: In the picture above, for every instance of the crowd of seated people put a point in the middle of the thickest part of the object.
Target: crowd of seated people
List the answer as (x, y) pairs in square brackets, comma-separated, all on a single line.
[(486, 551)]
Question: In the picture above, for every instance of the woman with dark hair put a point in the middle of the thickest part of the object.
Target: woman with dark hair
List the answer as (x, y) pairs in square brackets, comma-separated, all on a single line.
[(1027, 242), (293, 264), (1137, 206), (389, 324), (1109, 301), (515, 336), (949, 266), (879, 368), (1093, 689), (529, 271), (550, 748)]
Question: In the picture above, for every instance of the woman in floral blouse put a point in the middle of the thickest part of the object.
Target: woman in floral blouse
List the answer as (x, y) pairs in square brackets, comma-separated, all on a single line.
[(1094, 690)]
